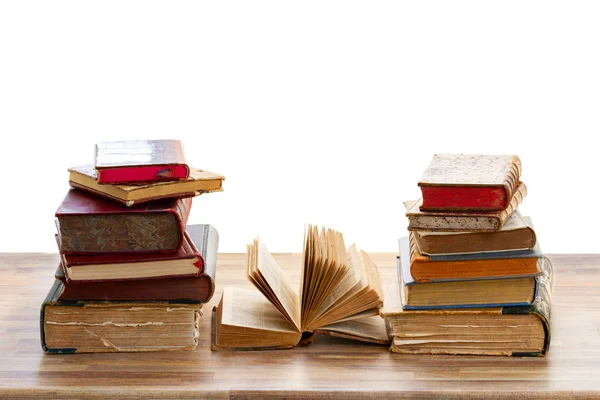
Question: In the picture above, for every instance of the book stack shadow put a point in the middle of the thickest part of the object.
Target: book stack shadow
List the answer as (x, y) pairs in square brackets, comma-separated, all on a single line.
[(471, 275), (132, 275)]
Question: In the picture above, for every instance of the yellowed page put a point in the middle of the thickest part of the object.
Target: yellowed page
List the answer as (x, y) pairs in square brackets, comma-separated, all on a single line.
[(249, 308), (267, 276), (366, 328)]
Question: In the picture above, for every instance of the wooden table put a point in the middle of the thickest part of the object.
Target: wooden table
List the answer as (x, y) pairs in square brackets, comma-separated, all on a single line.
[(327, 368)]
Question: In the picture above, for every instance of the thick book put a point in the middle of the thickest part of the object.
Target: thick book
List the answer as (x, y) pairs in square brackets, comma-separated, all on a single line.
[(461, 221), (501, 264), (181, 289), (516, 234), (91, 224), (337, 284), (140, 161), (106, 327), (469, 182), (198, 182), (508, 331), (467, 293)]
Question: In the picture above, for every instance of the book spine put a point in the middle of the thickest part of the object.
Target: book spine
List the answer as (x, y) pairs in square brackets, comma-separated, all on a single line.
[(139, 174), (511, 181), (516, 200)]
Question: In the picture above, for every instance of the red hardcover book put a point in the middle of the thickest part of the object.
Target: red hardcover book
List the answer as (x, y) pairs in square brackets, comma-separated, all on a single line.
[(140, 161), (454, 182), (91, 224), (187, 289), (99, 267)]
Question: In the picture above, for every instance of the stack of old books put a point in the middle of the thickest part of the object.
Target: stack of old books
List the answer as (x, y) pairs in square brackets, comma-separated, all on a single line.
[(471, 276), (131, 276)]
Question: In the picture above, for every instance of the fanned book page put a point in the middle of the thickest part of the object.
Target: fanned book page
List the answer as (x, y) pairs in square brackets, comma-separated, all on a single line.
[(340, 288)]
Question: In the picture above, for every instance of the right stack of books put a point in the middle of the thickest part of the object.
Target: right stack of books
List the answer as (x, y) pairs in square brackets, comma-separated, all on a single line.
[(471, 276)]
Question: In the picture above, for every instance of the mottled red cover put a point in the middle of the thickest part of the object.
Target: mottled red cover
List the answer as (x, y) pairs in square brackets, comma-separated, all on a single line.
[(187, 251), (91, 224)]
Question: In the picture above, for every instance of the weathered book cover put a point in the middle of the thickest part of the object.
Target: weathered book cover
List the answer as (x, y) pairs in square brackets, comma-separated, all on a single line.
[(91, 224), (461, 221), (106, 327), (198, 182), (500, 264), (407, 282), (470, 182), (93, 267), (424, 321), (516, 234), (135, 161), (185, 289)]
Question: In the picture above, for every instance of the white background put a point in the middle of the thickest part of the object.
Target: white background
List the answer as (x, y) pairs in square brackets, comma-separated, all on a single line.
[(316, 112)]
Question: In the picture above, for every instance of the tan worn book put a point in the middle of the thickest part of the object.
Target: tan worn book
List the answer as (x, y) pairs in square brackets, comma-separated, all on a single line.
[(199, 181), (339, 289), (516, 234), (105, 327), (461, 221), (508, 331)]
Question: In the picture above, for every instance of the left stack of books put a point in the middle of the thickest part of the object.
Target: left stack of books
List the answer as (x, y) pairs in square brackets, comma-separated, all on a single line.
[(131, 276)]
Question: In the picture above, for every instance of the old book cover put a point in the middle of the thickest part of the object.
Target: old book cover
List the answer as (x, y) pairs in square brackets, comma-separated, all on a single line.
[(461, 221), (337, 285), (469, 182), (516, 234), (140, 161), (105, 327), (509, 331), (502, 264), (198, 182), (91, 224), (466, 293), (182, 289), (98, 267)]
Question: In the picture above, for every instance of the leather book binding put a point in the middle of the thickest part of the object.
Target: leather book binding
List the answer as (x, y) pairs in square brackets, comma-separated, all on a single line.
[(200, 181), (91, 224), (183, 289), (461, 221), (97, 267), (502, 264), (469, 182), (135, 161)]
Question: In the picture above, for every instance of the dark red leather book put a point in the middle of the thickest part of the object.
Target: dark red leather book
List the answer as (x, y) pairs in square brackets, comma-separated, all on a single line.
[(99, 267), (187, 289), (91, 224), (140, 161), (470, 182)]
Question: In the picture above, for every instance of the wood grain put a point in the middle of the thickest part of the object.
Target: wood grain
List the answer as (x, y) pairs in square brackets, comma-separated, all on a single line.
[(329, 368)]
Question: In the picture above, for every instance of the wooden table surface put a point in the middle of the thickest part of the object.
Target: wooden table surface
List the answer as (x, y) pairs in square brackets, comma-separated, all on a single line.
[(327, 368)]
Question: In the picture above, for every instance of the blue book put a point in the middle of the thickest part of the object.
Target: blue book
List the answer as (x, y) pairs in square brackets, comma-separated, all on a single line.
[(476, 293)]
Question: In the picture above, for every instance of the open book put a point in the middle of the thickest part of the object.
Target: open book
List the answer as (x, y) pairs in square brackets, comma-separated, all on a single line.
[(340, 294)]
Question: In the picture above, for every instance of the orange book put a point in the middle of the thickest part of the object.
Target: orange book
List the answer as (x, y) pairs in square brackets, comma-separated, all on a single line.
[(498, 264)]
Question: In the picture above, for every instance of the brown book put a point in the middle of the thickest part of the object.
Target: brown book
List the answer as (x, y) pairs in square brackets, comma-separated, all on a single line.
[(338, 287), (461, 221), (180, 289), (516, 234), (508, 331), (106, 327), (473, 182), (199, 182), (501, 264), (91, 224)]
